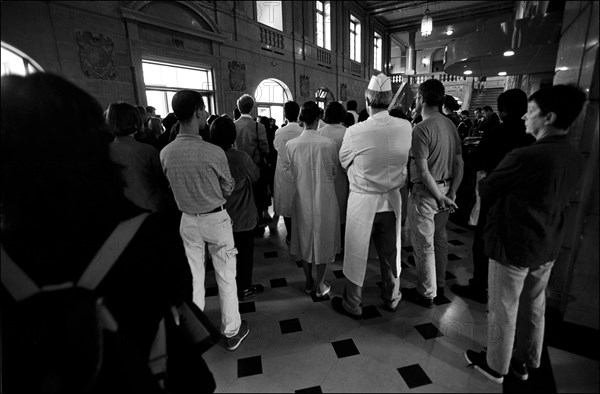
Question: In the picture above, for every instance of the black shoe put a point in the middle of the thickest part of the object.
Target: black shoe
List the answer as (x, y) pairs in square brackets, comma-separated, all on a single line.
[(519, 369), (413, 296), (470, 292), (390, 308), (336, 302), (251, 291), (478, 361)]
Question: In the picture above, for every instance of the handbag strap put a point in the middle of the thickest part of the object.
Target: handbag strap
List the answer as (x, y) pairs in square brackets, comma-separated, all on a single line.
[(21, 286)]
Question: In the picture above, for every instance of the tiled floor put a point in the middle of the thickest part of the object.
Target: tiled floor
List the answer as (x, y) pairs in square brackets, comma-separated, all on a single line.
[(298, 343)]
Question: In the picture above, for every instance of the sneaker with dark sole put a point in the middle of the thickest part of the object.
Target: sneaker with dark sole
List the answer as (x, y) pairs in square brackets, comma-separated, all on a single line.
[(336, 302), (235, 341), (479, 362), (411, 294), (519, 369)]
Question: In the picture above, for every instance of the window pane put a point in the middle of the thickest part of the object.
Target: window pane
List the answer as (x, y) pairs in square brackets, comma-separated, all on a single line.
[(327, 26), (277, 114), (264, 111), (270, 13), (12, 63), (319, 6), (157, 99), (320, 40)]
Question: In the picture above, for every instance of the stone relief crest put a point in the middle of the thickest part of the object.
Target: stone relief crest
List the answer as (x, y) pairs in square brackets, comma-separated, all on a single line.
[(343, 92), (304, 86), (96, 55), (237, 75)]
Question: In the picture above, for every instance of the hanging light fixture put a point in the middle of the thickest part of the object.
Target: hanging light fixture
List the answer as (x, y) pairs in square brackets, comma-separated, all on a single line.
[(426, 24)]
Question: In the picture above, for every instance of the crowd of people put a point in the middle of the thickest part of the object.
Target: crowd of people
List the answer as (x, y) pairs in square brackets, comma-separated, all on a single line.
[(338, 178)]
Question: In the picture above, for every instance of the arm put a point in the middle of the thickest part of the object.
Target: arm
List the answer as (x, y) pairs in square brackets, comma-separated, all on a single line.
[(225, 179), (263, 144), (252, 170), (457, 176), (444, 202), (346, 152), (505, 177)]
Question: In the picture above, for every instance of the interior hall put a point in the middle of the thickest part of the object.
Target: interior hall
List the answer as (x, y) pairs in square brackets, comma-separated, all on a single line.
[(328, 52)]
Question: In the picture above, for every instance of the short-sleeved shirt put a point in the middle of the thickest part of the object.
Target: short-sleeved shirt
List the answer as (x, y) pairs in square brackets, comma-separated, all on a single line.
[(436, 140)]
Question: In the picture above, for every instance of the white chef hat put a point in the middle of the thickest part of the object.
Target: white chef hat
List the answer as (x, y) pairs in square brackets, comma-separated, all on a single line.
[(380, 83)]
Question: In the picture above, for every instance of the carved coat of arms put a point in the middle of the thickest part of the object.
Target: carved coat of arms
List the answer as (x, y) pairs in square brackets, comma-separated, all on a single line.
[(237, 76), (343, 92), (304, 86), (96, 55)]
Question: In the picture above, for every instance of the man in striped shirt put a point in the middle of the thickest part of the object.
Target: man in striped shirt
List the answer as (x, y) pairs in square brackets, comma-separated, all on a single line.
[(199, 176)]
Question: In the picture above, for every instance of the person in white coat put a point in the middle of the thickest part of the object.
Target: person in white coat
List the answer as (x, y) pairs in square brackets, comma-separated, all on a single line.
[(284, 183), (315, 214), (374, 153)]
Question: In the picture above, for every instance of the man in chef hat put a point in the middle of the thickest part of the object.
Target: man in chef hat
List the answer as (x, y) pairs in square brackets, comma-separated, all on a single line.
[(374, 153)]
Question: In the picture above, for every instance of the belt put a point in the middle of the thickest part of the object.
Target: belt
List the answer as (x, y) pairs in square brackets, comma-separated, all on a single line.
[(217, 209), (442, 182)]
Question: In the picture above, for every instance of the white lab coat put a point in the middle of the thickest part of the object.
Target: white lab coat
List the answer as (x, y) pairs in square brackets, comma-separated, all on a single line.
[(374, 154), (284, 183), (336, 132), (315, 213)]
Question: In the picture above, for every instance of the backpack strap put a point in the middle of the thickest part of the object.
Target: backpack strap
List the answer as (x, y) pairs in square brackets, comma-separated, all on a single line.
[(20, 286), (109, 252)]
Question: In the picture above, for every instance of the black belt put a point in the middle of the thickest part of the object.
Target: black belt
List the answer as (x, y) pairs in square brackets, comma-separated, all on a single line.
[(443, 182), (217, 209)]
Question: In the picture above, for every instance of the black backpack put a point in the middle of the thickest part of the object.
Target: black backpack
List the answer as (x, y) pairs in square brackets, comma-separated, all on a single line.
[(54, 338)]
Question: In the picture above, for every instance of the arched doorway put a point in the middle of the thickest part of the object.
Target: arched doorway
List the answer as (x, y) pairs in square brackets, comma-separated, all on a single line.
[(270, 95), (17, 62)]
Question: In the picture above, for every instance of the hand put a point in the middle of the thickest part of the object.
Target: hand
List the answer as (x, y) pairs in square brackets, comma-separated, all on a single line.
[(446, 203)]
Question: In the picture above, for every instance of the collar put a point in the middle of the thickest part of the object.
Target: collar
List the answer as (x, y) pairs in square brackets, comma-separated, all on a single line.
[(246, 116), (185, 136)]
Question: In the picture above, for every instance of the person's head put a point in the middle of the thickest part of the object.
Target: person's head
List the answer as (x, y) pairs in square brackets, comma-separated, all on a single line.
[(478, 113), (222, 132), (352, 105), (291, 109), (348, 119), (487, 111), (211, 119), (512, 104), (464, 114), (309, 114), (450, 105), (245, 104), (61, 168), (378, 94), (143, 114), (169, 121), (555, 106), (430, 93), (397, 112), (150, 110), (272, 120), (335, 113), (236, 114), (363, 115), (123, 119), (265, 121), (189, 107), (155, 126)]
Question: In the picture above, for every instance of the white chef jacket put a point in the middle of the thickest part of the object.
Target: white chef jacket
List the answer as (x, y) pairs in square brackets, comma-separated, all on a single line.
[(374, 153), (284, 183)]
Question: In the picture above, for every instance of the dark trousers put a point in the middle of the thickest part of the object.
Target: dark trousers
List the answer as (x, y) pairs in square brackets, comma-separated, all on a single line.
[(480, 260), (244, 243), (288, 227)]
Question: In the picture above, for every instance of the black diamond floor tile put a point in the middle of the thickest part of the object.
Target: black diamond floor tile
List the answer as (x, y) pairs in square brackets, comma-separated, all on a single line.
[(428, 331), (247, 307), (411, 260), (450, 275), (280, 282), (441, 300), (453, 257), (310, 390), (314, 297), (455, 242), (459, 230), (414, 376), (249, 366), (379, 284), (299, 263), (345, 348), (407, 249), (289, 326), (339, 274), (370, 312), (212, 291), (403, 264), (270, 255)]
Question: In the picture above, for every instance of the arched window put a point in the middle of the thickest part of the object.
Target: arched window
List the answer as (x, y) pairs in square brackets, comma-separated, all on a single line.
[(270, 96), (323, 96), (16, 62)]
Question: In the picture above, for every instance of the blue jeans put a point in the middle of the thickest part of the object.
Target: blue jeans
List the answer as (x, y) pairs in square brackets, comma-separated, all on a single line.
[(517, 303), (429, 239)]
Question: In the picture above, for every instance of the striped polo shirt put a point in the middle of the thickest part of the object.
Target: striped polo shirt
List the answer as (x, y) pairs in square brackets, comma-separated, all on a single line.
[(198, 173)]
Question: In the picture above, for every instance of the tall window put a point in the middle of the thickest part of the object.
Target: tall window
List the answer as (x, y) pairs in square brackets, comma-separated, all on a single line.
[(377, 52), (324, 24), (354, 38), (163, 80), (270, 96), (16, 62), (270, 13)]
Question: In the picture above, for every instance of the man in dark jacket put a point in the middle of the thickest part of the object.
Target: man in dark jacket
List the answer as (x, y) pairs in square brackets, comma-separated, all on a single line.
[(494, 145), (528, 191)]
